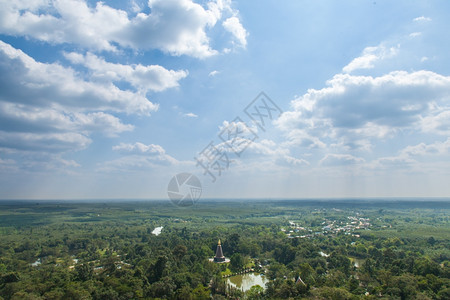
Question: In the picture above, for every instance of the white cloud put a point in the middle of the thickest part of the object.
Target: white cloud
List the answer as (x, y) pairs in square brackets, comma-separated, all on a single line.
[(356, 108), (293, 161), (63, 21), (239, 128), (372, 125), (369, 57), (190, 115), (234, 26), (349, 143), (268, 150), (393, 163), (340, 160), (422, 19), (139, 148), (177, 27), (437, 122), (422, 149), (213, 73), (43, 142), (8, 165), (301, 137), (7, 162), (143, 78), (242, 150), (18, 118), (264, 155), (100, 122), (48, 110), (419, 158), (53, 163), (140, 157), (355, 125), (135, 7), (415, 34), (28, 81), (37, 162)]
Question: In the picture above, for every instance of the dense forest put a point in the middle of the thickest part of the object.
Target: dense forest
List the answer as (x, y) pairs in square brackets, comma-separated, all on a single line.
[(306, 249)]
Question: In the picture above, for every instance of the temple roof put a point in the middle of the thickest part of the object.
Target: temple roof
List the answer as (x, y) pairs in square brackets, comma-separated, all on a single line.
[(219, 253)]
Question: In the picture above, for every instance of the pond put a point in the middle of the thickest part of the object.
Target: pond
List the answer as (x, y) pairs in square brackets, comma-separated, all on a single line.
[(246, 281)]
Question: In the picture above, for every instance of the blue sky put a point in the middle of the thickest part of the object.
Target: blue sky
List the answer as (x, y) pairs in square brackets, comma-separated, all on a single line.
[(111, 99)]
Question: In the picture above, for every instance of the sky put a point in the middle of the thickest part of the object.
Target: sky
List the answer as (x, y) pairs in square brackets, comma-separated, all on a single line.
[(257, 99)]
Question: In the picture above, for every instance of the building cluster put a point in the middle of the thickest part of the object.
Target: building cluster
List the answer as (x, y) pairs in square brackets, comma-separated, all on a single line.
[(328, 226)]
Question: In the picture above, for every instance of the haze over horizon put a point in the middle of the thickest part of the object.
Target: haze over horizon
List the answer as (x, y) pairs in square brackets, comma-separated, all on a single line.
[(102, 100)]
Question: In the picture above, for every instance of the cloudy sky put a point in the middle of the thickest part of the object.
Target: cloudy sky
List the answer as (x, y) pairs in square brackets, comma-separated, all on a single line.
[(111, 99)]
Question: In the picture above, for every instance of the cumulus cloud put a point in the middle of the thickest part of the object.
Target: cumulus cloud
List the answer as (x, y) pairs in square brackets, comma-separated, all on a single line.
[(213, 73), (379, 120), (279, 154), (437, 122), (177, 27), (259, 154), (16, 118), (139, 148), (99, 122), (27, 81), (365, 107), (53, 163), (143, 78), (340, 160), (140, 157), (419, 157), (422, 19), (300, 137), (47, 142), (8, 165), (73, 21), (369, 57), (43, 97), (393, 163), (238, 128), (190, 115), (48, 110), (241, 149), (423, 149), (234, 26)]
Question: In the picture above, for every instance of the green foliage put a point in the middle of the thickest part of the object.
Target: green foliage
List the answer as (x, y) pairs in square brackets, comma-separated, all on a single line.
[(200, 293), (256, 292), (332, 293), (83, 272), (444, 294), (277, 270), (306, 273), (2, 269), (340, 262), (107, 251), (236, 262)]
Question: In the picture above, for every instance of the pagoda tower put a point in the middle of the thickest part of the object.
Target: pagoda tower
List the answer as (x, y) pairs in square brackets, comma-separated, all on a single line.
[(219, 254)]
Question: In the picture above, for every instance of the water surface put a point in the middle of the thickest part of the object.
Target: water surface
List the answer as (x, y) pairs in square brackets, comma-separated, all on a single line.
[(246, 281)]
